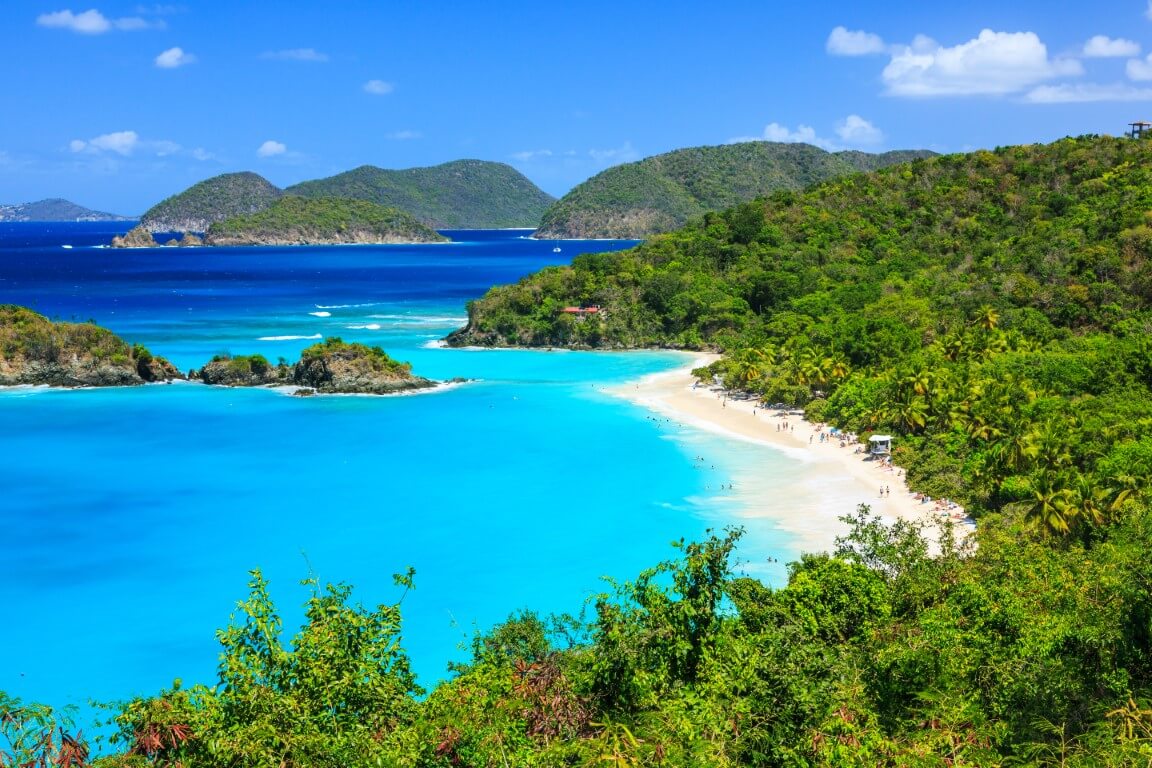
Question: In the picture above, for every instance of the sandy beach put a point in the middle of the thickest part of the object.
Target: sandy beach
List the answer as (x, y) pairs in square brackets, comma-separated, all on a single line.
[(832, 479)]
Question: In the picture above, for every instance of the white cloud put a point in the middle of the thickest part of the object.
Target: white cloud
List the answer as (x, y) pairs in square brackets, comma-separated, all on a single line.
[(174, 57), (856, 131), (994, 63), (120, 142), (1104, 47), (403, 135), (845, 42), (296, 54), (623, 154), (87, 23), (804, 134), (125, 143), (134, 23), (163, 148), (160, 10), (1140, 69), (1082, 93), (529, 155), (378, 87), (202, 154), (1148, 10), (852, 131), (271, 149), (91, 22)]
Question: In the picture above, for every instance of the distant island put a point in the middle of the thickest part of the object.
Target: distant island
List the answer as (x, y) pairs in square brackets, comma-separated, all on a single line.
[(659, 194), (36, 350), (293, 220), (330, 367), (465, 194), (54, 209)]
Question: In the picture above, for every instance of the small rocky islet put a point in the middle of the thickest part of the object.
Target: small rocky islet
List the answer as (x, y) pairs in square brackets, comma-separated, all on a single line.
[(332, 366)]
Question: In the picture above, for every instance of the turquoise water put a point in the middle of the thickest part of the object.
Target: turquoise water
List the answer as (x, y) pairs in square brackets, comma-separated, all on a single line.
[(131, 516)]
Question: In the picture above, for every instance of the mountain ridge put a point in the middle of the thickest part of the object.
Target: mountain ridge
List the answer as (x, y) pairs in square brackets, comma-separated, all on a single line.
[(663, 192), (461, 194)]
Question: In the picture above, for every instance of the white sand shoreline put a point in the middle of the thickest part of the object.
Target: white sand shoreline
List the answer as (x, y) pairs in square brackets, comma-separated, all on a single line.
[(839, 479)]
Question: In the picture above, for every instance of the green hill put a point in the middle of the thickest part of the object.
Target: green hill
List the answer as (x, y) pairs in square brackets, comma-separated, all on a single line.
[(294, 220), (658, 194), (465, 194), (215, 199)]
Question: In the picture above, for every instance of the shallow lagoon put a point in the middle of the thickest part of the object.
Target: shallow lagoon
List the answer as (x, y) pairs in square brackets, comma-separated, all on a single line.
[(132, 516)]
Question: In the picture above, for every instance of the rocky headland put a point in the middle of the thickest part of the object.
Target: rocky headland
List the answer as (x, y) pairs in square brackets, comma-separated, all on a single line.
[(36, 350)]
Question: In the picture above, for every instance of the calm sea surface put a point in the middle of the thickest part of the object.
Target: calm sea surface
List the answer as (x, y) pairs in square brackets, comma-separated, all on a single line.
[(129, 518)]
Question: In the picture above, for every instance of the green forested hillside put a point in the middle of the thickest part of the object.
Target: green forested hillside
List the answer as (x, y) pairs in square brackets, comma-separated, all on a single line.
[(294, 220), (215, 199), (465, 194), (658, 194)]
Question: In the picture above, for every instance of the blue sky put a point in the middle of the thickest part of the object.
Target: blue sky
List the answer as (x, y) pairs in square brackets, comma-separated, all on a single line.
[(117, 105)]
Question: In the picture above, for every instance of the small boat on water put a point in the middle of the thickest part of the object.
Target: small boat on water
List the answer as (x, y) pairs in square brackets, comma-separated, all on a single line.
[(556, 250)]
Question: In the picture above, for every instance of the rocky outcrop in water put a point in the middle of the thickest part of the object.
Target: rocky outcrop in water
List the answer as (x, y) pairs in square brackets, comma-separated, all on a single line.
[(330, 367), (35, 350), (137, 237)]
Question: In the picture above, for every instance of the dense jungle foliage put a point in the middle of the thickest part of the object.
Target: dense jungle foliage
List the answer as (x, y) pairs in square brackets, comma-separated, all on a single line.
[(661, 193), (463, 194)]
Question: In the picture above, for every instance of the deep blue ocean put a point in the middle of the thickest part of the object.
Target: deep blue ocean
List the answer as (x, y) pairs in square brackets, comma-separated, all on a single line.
[(130, 517)]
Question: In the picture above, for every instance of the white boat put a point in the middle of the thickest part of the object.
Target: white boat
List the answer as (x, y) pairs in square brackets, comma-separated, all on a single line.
[(556, 250)]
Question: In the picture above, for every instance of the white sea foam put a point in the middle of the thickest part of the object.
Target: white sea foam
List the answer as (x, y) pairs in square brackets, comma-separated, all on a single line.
[(320, 314), (365, 327), (435, 344), (422, 319), (344, 306), (289, 338)]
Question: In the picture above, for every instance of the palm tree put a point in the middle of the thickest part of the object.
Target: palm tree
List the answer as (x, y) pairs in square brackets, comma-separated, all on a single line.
[(987, 318), (1051, 508), (1096, 503)]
